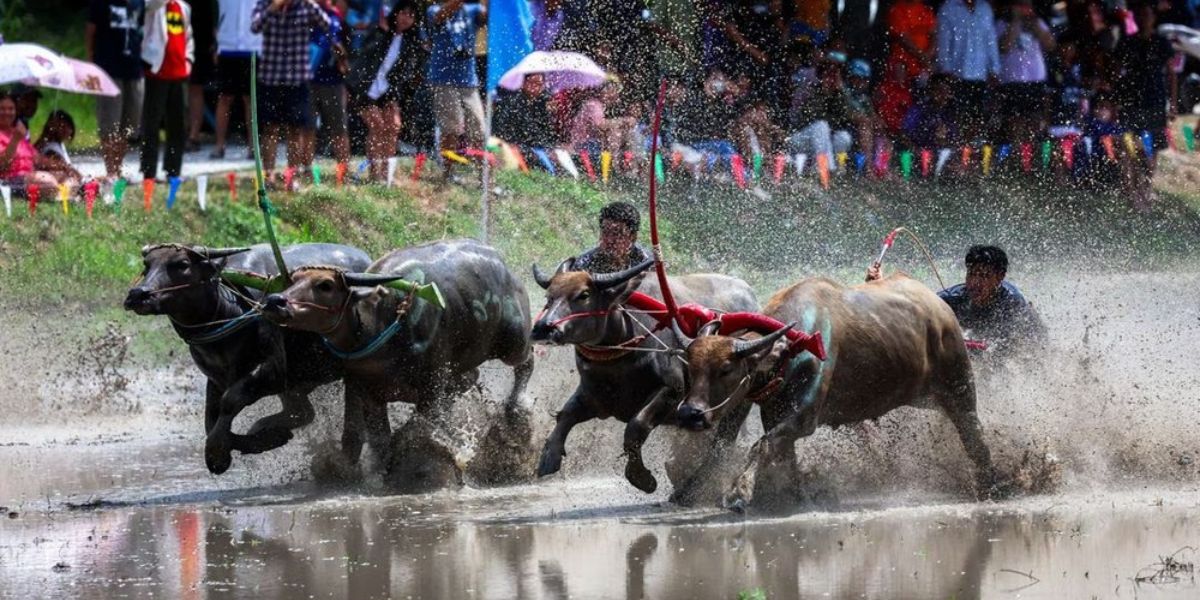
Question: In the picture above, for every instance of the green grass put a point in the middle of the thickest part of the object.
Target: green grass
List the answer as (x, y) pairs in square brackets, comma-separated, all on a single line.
[(800, 230)]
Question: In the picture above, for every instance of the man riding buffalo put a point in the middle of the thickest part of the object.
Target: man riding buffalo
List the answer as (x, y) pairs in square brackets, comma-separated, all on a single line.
[(618, 249), (398, 347), (626, 357), (886, 343), (988, 307), (243, 357)]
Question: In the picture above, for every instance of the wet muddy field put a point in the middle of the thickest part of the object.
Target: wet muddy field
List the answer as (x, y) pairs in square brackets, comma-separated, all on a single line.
[(105, 493)]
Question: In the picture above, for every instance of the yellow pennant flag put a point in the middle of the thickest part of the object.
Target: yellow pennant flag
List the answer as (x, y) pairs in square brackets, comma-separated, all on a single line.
[(841, 159), (64, 195), (605, 164), (1129, 145), (456, 157), (987, 159)]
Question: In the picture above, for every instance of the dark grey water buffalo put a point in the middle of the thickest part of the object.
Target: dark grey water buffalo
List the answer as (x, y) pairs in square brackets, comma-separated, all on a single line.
[(399, 349), (624, 372), (243, 356), (889, 343)]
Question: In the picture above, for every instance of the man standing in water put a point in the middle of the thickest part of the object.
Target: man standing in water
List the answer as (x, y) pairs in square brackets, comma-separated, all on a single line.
[(618, 249), (988, 307)]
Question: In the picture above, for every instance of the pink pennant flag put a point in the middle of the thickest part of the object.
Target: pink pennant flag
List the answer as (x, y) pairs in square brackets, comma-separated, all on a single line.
[(780, 165), (1026, 157), (739, 170), (1068, 151), (232, 179), (926, 159), (587, 166), (418, 164)]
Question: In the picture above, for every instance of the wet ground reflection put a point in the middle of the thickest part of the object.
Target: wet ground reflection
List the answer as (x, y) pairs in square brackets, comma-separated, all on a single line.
[(566, 541)]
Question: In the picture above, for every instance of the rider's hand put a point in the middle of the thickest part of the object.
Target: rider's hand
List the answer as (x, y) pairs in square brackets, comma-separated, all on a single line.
[(874, 272)]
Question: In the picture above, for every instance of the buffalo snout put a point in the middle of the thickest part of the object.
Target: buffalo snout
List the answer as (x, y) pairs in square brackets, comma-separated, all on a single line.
[(690, 417), (276, 306), (138, 299), (545, 332)]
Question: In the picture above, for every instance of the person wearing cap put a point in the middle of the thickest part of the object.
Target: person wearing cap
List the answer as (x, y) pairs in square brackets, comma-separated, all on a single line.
[(618, 249), (861, 107), (989, 308)]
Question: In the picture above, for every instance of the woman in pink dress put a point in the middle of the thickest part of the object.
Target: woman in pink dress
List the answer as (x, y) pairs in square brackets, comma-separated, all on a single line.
[(18, 158)]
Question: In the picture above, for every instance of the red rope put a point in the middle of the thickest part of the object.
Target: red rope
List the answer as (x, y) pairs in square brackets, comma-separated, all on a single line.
[(659, 266)]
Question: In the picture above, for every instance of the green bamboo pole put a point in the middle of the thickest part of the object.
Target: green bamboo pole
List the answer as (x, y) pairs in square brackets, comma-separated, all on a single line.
[(259, 181)]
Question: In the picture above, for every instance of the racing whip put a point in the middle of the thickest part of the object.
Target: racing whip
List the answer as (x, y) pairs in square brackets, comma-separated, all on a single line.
[(659, 265)]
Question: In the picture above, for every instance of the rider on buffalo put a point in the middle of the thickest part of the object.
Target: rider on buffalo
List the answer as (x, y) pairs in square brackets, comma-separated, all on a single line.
[(618, 249)]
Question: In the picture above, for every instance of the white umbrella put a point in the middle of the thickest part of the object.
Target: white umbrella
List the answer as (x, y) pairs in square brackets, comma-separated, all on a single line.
[(563, 70), (85, 78), (21, 62), (1184, 39)]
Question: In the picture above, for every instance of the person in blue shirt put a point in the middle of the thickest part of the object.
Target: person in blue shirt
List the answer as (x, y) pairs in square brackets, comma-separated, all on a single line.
[(989, 308), (450, 29)]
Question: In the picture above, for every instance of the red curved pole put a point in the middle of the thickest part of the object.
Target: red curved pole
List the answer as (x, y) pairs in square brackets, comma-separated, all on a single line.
[(659, 265)]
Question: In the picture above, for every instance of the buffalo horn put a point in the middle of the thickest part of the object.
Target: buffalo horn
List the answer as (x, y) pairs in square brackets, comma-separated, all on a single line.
[(680, 335), (604, 281), (744, 348), (215, 253), (709, 328), (541, 278)]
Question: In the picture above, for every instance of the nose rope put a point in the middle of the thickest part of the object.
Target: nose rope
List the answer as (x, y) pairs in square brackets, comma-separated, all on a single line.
[(340, 311), (723, 402)]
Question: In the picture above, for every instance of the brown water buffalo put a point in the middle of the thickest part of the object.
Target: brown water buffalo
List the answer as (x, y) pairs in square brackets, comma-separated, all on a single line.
[(889, 343), (243, 356), (395, 348), (640, 388)]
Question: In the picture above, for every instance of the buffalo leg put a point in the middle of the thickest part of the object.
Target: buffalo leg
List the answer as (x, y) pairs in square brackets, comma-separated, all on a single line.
[(574, 412), (297, 412), (212, 405), (379, 430), (727, 433), (521, 374), (772, 447), (636, 432), (966, 421), (221, 440)]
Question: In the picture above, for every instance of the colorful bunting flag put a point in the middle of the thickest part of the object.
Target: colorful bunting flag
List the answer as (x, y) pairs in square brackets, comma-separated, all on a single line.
[(926, 159), (147, 194), (122, 183), (32, 193), (418, 165), (64, 196), (605, 165), (173, 191), (564, 158), (6, 192), (202, 191), (392, 162), (823, 169), (587, 166), (90, 189), (232, 179), (906, 164), (780, 165), (739, 170), (942, 159), (544, 158), (1026, 157)]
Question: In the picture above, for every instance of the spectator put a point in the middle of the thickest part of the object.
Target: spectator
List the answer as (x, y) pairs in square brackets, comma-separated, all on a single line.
[(204, 24), (522, 118), (810, 21), (930, 123), (967, 49), (384, 77), (594, 130), (755, 33), (27, 99), (284, 103), (168, 50), (1024, 40), (893, 99), (1145, 85), (547, 22), (911, 26), (1069, 94), (451, 27), (861, 108), (362, 17), (113, 40), (51, 146), (823, 124), (17, 156), (235, 45), (330, 62)]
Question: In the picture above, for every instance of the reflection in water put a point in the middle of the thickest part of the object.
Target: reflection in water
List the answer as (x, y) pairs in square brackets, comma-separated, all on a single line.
[(507, 545)]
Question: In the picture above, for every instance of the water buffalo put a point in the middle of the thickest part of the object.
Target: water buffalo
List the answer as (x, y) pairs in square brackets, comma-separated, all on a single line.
[(889, 343), (640, 388), (243, 356), (397, 349)]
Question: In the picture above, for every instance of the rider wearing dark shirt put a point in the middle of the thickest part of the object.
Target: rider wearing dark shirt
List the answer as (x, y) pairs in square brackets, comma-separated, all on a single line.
[(990, 309), (618, 249)]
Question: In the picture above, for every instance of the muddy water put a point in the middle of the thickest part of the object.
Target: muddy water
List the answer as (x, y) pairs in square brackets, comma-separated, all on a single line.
[(112, 499)]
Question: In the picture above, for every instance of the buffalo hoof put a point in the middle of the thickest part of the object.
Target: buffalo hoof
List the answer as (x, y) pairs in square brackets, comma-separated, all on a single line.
[(504, 455), (735, 504), (218, 455), (331, 466), (995, 490), (551, 461), (421, 462), (263, 441), (640, 477)]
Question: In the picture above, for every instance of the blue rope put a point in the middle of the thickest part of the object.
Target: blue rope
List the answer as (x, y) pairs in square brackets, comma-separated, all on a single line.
[(225, 330), (371, 347)]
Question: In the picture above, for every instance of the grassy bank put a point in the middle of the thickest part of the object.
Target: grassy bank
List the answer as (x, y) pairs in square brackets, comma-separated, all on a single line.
[(797, 230)]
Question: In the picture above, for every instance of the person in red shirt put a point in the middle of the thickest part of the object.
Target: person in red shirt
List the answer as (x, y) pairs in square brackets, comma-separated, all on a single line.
[(168, 51), (911, 26)]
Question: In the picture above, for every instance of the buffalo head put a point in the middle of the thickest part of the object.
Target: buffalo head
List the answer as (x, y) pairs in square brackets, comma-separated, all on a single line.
[(319, 297), (175, 277), (719, 372), (577, 302)]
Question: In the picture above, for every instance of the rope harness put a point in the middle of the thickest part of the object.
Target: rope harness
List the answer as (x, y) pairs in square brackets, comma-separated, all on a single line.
[(377, 342)]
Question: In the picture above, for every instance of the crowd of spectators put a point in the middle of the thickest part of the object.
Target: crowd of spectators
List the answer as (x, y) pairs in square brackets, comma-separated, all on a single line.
[(757, 77)]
